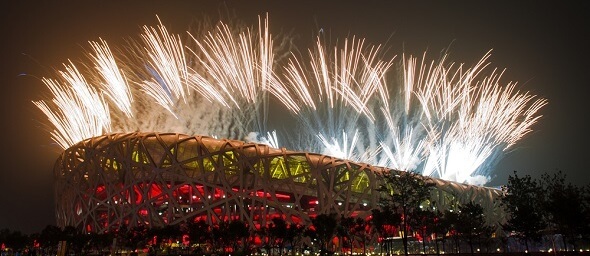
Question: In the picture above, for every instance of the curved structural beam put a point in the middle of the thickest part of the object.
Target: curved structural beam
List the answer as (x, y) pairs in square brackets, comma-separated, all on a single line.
[(157, 179)]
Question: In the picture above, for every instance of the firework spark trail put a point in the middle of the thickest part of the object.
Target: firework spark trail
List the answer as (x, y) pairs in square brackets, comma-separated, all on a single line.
[(506, 112), (462, 121), (444, 119), (403, 138), (89, 97), (372, 81), (231, 118), (459, 150), (167, 60), (474, 117), (115, 84), (233, 64), (344, 151), (241, 63), (132, 60), (295, 77), (403, 154), (331, 92), (78, 112), (225, 113), (266, 54), (270, 139), (407, 139), (401, 147)]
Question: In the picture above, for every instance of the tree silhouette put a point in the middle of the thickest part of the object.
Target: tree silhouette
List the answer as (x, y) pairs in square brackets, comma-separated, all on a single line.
[(522, 200), (471, 224), (441, 227), (564, 205), (423, 223), (404, 192), (50, 237), (382, 221), (13, 239), (343, 230), (238, 231), (278, 232), (294, 236), (361, 233), (199, 232), (75, 238), (325, 226)]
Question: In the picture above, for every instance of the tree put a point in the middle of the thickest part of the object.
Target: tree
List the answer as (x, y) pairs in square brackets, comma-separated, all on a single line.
[(381, 222), (450, 222), (50, 237), (403, 192), (123, 237), (138, 236), (443, 224), (277, 232), (294, 236), (99, 242), (13, 239), (238, 231), (220, 236), (471, 224), (564, 205), (199, 232), (343, 230), (523, 201), (75, 238), (586, 212), (360, 232), (423, 224), (325, 226)]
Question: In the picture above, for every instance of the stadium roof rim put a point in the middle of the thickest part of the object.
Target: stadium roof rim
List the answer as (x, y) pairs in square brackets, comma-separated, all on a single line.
[(115, 136)]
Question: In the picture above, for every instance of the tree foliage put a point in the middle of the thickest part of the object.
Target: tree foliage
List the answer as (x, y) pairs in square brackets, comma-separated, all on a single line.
[(522, 200), (403, 193), (564, 204), (471, 224), (325, 227)]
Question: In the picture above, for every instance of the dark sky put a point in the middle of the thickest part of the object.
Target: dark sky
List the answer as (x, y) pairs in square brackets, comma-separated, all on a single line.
[(544, 47)]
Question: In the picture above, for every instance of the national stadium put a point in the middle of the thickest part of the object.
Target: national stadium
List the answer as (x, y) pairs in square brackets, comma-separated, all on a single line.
[(447, 121), (159, 179)]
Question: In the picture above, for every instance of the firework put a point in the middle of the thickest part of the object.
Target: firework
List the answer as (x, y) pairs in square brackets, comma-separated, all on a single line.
[(470, 119), (77, 110), (344, 99), (331, 92), (114, 84)]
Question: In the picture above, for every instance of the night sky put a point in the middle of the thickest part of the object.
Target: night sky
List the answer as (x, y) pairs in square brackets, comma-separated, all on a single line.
[(543, 46)]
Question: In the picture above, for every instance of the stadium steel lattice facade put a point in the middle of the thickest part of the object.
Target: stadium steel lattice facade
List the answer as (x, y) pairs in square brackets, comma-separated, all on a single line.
[(158, 179)]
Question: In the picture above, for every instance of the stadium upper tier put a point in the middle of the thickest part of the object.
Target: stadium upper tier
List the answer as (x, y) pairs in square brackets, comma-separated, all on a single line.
[(158, 179)]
